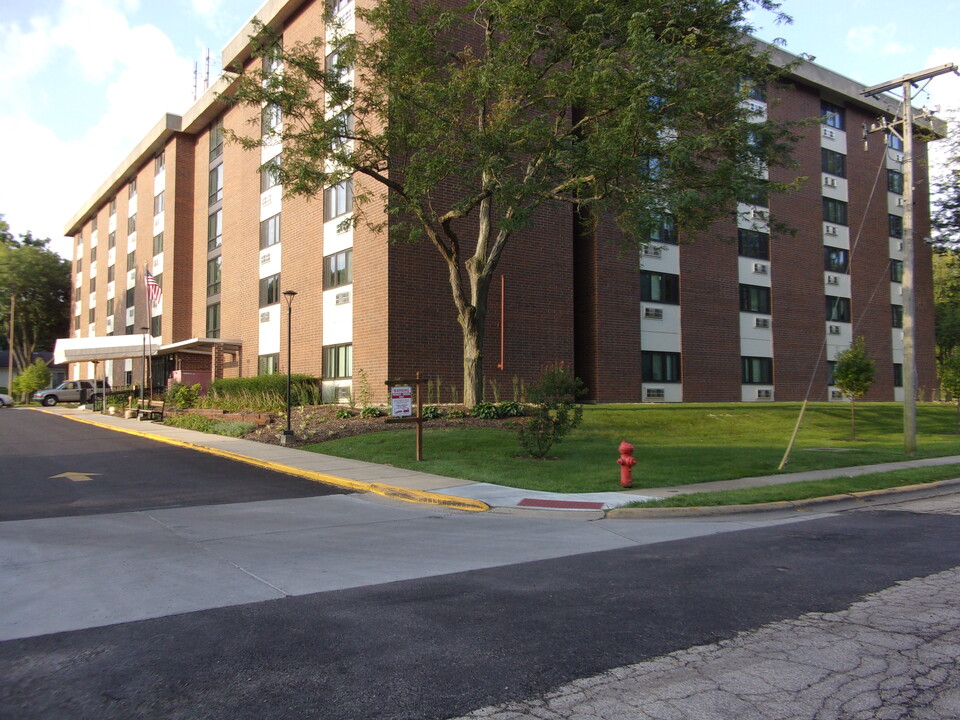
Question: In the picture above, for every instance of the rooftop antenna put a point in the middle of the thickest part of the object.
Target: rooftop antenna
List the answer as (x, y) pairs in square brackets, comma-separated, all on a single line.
[(196, 77), (206, 78)]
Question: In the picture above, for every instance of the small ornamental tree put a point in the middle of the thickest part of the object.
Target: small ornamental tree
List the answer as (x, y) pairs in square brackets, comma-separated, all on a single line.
[(35, 377), (854, 374), (556, 413), (948, 371)]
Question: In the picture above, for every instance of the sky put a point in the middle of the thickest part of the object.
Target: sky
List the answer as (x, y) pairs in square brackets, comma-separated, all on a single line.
[(83, 81)]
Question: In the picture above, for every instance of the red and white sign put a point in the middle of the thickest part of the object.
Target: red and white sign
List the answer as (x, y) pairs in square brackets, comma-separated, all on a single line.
[(401, 398)]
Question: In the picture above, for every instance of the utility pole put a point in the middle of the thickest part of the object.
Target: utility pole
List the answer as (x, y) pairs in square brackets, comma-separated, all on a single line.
[(13, 306), (906, 83)]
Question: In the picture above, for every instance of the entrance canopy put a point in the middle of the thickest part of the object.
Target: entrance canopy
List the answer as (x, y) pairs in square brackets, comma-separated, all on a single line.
[(113, 347)]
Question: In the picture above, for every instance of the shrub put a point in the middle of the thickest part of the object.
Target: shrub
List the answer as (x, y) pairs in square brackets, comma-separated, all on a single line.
[(456, 413), (34, 377), (510, 409), (371, 412), (230, 428), (263, 393), (485, 411), (343, 414), (556, 413), (121, 398), (183, 396), (431, 412)]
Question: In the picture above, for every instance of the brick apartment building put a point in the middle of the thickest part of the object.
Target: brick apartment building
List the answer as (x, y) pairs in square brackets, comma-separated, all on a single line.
[(734, 314)]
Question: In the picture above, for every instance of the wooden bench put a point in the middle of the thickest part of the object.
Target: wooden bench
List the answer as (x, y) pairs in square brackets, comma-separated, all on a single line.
[(151, 410)]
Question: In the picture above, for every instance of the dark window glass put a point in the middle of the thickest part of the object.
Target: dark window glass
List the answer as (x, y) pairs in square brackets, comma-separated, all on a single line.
[(834, 211), (131, 260), (659, 287), (756, 195), (93, 284), (213, 276), (895, 225), (215, 230), (158, 244), (836, 260), (93, 223), (92, 315), (93, 255), (271, 119), (128, 298), (270, 290), (756, 370), (660, 367), (156, 326), (831, 115), (216, 140), (110, 306), (268, 364), (896, 271), (111, 273), (831, 369), (213, 321), (113, 206), (158, 204), (338, 200), (665, 231), (838, 309), (79, 265), (754, 298), (833, 162), (894, 142), (132, 224), (270, 174), (338, 269), (270, 231), (895, 182), (338, 362), (897, 311), (216, 184), (132, 189), (753, 244), (898, 374), (159, 163), (112, 240)]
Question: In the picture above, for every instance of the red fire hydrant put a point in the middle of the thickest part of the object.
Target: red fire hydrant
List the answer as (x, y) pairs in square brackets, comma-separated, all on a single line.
[(626, 463)]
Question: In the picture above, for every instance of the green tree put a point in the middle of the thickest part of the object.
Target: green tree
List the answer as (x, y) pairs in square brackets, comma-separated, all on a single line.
[(854, 374), (34, 377), (948, 371), (946, 300), (945, 221), (39, 279), (460, 122), (556, 410)]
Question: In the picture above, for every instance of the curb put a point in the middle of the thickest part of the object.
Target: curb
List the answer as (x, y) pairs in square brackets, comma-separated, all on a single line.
[(389, 491), (865, 496)]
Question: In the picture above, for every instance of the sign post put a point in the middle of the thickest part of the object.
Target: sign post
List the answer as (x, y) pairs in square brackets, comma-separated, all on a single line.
[(401, 402)]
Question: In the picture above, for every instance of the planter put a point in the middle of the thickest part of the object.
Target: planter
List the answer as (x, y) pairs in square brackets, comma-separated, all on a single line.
[(130, 413)]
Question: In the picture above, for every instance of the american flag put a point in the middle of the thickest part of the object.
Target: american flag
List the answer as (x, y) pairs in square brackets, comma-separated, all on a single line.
[(153, 287)]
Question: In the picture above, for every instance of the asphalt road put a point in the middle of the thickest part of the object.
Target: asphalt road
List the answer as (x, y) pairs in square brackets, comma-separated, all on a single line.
[(443, 646), (54, 467)]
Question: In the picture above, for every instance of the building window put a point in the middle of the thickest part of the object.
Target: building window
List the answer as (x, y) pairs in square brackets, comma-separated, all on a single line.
[(346, 124), (92, 315), (335, 64), (111, 240), (131, 260), (338, 200), (270, 231), (79, 265), (156, 325), (213, 321), (898, 375), (216, 140), (753, 244), (831, 369), (660, 367), (76, 322), (755, 299), (271, 117), (834, 211), (132, 224), (216, 184), (110, 307), (833, 163), (268, 364), (159, 163), (338, 269), (113, 206), (831, 115), (270, 290), (158, 204), (129, 298), (93, 224), (756, 195), (665, 230), (756, 370), (897, 312), (838, 309), (338, 362), (270, 174), (896, 271), (93, 284), (338, 5), (895, 226), (213, 276), (111, 273), (93, 255), (836, 260), (273, 60), (659, 287), (128, 330), (158, 244), (132, 189), (895, 182), (215, 230), (894, 142)]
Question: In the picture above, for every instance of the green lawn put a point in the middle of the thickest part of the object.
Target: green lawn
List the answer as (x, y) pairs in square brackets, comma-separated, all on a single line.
[(675, 444)]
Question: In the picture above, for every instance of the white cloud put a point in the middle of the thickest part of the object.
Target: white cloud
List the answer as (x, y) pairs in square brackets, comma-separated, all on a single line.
[(207, 8), (877, 38)]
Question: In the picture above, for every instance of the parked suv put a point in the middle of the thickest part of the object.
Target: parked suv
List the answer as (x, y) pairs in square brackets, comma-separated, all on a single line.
[(68, 391)]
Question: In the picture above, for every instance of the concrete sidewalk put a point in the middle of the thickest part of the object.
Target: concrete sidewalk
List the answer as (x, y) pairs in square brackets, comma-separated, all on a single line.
[(410, 485)]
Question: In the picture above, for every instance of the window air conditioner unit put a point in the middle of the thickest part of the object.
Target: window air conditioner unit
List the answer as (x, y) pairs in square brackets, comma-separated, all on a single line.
[(898, 157), (653, 251), (264, 258), (653, 313), (899, 202), (265, 316), (836, 395), (761, 322), (760, 268), (830, 182), (343, 298), (828, 133), (833, 280), (654, 394), (900, 246), (764, 394), (834, 329), (830, 230)]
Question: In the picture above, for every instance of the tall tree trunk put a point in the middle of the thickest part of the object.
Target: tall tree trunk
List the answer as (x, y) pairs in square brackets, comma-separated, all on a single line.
[(472, 361), (853, 420)]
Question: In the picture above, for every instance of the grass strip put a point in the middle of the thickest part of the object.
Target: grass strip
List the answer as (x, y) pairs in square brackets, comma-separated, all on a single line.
[(809, 489)]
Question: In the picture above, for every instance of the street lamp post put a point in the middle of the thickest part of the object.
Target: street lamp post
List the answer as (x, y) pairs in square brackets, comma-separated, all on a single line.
[(143, 363), (288, 295)]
